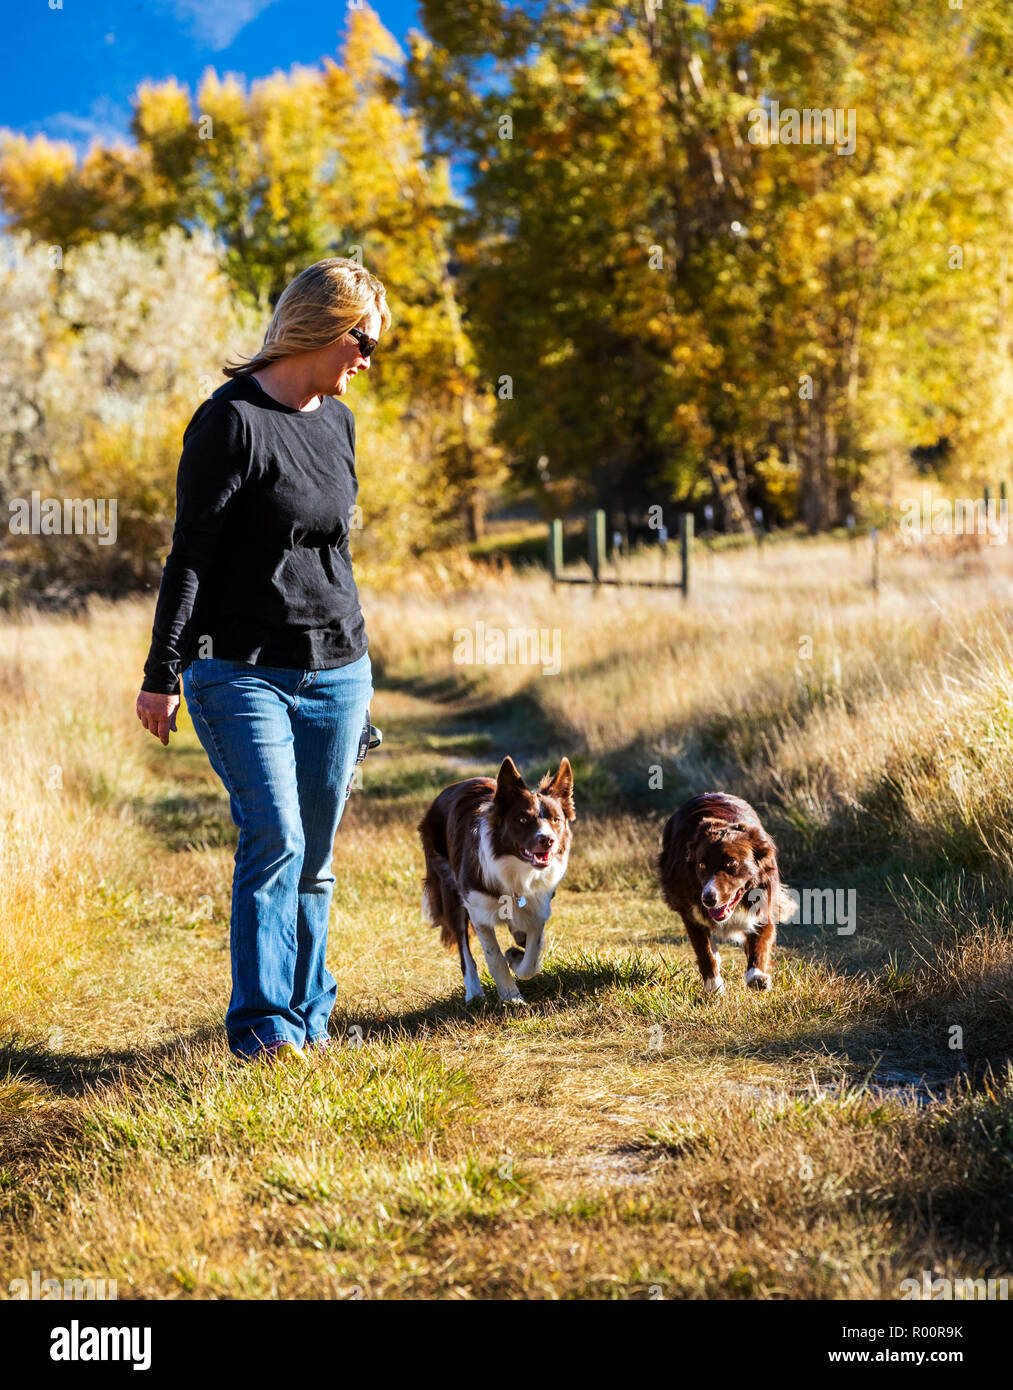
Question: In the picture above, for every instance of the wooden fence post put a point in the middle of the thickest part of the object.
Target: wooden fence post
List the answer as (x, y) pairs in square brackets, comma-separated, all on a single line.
[(874, 538), (685, 547), (596, 542), (555, 550)]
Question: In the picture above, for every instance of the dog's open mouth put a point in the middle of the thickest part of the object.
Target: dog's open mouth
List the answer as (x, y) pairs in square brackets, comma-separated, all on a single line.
[(539, 857), (721, 914)]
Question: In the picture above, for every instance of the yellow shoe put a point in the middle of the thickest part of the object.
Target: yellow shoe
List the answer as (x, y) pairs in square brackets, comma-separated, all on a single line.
[(289, 1053)]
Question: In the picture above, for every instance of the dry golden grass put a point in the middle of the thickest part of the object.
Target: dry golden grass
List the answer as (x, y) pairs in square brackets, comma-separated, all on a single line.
[(627, 1134)]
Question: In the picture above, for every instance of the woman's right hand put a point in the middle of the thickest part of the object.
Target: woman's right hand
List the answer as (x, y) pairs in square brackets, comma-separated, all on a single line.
[(158, 713)]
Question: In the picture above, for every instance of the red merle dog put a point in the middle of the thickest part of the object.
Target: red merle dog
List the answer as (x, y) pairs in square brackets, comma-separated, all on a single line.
[(719, 872), (495, 854)]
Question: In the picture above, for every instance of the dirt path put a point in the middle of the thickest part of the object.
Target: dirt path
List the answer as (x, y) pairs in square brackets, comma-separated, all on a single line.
[(613, 1139)]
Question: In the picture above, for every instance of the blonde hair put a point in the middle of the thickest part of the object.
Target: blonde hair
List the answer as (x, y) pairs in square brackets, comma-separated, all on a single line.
[(316, 309)]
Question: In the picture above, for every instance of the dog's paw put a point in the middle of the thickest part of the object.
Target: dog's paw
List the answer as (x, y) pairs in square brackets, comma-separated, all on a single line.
[(528, 974), (715, 985), (514, 956), (757, 979)]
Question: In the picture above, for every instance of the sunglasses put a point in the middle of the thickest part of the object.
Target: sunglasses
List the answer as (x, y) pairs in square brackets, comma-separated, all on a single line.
[(367, 345)]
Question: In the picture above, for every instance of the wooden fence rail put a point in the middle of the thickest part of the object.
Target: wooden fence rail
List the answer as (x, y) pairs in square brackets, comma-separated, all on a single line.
[(597, 555)]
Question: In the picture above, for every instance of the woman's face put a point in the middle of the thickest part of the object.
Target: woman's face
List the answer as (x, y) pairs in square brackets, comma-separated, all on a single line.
[(341, 360)]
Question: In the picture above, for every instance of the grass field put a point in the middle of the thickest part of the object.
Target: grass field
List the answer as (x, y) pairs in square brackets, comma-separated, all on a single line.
[(626, 1136)]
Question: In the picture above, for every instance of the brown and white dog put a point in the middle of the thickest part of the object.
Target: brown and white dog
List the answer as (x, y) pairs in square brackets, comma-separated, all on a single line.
[(495, 854), (719, 872)]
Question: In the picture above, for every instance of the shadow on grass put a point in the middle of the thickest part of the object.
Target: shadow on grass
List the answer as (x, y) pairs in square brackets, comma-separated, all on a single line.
[(900, 1036), (70, 1074), (558, 984), (516, 719), (184, 822), (75, 1074)]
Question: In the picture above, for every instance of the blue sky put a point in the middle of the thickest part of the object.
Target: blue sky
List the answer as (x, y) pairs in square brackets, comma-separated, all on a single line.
[(69, 73)]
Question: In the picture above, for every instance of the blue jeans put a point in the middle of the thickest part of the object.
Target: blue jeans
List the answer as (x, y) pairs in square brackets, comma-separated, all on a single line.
[(284, 743)]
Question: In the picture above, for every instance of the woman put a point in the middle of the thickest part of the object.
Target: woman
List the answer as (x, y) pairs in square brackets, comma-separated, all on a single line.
[(258, 613)]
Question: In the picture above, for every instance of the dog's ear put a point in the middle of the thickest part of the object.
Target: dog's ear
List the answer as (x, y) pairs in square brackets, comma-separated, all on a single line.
[(508, 779), (768, 875), (708, 828), (695, 847), (764, 851), (561, 787)]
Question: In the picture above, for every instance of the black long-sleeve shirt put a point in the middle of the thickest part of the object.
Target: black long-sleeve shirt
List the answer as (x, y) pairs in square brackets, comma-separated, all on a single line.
[(259, 569)]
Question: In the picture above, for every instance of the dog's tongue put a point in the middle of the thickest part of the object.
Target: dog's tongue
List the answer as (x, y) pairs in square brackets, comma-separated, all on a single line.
[(718, 914)]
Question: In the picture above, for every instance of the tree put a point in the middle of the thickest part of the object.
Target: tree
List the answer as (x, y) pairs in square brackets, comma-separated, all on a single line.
[(100, 391), (295, 167), (752, 296)]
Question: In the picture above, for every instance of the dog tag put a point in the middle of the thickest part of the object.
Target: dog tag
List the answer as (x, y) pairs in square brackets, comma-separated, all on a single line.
[(521, 902)]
